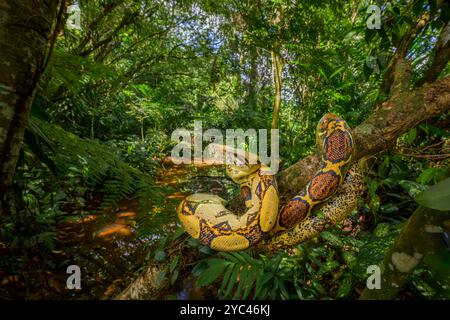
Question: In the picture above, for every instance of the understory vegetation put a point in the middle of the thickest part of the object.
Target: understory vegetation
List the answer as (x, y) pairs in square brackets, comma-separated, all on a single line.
[(94, 185)]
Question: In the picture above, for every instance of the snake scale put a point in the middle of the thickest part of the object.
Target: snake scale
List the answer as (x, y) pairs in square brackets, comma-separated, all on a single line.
[(205, 217)]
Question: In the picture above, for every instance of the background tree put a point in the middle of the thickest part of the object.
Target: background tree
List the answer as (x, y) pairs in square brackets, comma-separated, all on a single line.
[(27, 35)]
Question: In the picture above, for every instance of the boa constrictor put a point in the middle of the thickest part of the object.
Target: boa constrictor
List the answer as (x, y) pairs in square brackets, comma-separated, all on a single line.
[(205, 217)]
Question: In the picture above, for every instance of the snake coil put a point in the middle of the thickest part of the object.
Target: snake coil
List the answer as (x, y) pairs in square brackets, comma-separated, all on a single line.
[(205, 217)]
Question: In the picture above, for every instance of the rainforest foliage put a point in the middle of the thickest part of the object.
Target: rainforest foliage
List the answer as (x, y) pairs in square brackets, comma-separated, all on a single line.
[(93, 186)]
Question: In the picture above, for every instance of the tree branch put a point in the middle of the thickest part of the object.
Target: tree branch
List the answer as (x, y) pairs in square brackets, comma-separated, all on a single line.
[(107, 9), (402, 78), (380, 130), (145, 286), (127, 19), (418, 237), (401, 51), (439, 57)]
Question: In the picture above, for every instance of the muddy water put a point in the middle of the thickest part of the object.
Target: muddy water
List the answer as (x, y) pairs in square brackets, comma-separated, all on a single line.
[(181, 179)]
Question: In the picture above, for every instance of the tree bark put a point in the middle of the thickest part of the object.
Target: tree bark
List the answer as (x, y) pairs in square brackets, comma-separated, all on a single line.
[(418, 237), (27, 33), (146, 286)]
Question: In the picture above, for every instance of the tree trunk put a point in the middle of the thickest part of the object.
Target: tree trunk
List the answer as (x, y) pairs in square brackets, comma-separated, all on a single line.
[(142, 131), (27, 32), (419, 236), (276, 66)]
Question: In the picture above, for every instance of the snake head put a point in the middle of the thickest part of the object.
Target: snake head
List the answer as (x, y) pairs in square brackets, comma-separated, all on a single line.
[(328, 123)]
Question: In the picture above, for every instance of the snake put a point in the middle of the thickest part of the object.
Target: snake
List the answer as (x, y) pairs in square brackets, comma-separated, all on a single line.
[(333, 212), (206, 218)]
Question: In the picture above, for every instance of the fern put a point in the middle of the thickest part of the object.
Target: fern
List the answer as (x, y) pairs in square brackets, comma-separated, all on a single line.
[(244, 276), (86, 165)]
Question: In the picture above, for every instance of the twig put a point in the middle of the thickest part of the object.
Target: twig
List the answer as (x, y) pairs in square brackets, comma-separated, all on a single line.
[(430, 156)]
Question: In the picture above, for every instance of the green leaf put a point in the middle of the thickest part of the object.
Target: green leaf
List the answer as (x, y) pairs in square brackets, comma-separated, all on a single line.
[(262, 278), (349, 258), (298, 290), (274, 263), (411, 135), (205, 250), (199, 268), (193, 243), (427, 175), (229, 257), (345, 287), (328, 266), (249, 285), (247, 258), (242, 280), (388, 208), (259, 274), (332, 239), (233, 279), (428, 128), (283, 289), (436, 197), (178, 233), (316, 284), (160, 255), (215, 268), (383, 169), (382, 230), (323, 73), (174, 276), (413, 188), (174, 263), (239, 256), (226, 277), (338, 70)]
